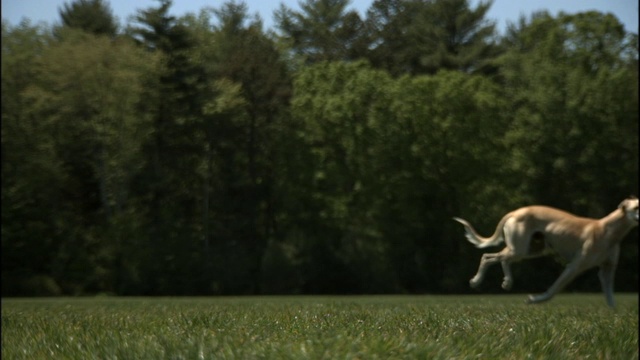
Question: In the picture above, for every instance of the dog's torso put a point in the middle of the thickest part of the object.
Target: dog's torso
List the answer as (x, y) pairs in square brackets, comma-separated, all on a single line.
[(563, 233)]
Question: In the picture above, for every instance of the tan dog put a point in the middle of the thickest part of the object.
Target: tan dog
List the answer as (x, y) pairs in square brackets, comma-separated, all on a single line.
[(539, 230)]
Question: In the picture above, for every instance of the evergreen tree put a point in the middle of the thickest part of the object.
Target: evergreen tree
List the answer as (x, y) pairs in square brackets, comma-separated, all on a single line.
[(167, 184), (92, 16), (244, 108), (323, 31), (424, 36)]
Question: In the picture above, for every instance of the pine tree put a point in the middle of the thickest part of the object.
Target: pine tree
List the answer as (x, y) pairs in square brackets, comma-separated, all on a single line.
[(323, 31), (424, 36), (92, 16)]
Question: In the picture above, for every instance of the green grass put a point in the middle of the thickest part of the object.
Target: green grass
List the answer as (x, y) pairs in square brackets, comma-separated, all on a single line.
[(367, 327)]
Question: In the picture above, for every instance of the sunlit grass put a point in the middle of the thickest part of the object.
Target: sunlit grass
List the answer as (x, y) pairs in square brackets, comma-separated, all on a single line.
[(367, 327)]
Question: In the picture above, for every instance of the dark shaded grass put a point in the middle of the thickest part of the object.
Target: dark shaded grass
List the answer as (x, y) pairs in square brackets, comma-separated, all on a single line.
[(366, 327)]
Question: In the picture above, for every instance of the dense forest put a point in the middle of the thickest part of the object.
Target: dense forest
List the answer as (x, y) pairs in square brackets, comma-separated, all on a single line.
[(206, 155)]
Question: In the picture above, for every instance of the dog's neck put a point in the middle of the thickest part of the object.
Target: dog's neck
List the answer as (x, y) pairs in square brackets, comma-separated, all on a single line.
[(618, 225)]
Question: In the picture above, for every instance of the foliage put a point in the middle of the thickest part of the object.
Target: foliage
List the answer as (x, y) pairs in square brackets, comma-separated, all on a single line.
[(92, 16), (89, 151), (333, 106), (323, 31), (320, 327), (445, 146), (31, 175), (421, 37), (563, 79)]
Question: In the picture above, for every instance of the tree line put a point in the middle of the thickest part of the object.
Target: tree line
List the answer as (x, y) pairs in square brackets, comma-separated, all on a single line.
[(205, 155)]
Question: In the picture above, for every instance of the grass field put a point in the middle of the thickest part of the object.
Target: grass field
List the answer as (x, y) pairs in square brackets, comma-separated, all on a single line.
[(367, 327)]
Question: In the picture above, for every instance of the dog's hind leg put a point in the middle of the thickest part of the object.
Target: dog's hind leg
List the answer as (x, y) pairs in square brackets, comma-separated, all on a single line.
[(510, 230), (507, 281), (486, 261), (607, 273)]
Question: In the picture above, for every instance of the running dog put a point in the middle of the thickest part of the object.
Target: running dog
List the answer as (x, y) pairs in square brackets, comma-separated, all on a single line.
[(534, 231)]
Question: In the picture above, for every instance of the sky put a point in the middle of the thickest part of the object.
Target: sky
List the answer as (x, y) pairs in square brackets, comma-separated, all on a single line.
[(502, 11)]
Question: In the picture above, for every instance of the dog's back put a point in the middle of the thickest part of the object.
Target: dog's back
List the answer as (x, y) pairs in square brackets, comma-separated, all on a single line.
[(550, 228)]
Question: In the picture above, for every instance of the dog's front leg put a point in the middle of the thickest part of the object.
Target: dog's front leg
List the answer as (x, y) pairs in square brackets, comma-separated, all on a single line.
[(570, 272), (607, 273)]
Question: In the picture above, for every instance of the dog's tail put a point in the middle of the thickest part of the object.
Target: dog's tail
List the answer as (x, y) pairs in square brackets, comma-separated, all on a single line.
[(483, 242)]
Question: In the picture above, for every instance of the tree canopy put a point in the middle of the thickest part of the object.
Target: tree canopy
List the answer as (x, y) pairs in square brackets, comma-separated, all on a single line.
[(93, 16), (203, 155)]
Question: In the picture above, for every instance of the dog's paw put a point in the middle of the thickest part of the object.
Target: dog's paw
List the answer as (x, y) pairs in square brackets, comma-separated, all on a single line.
[(507, 284), (536, 299)]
